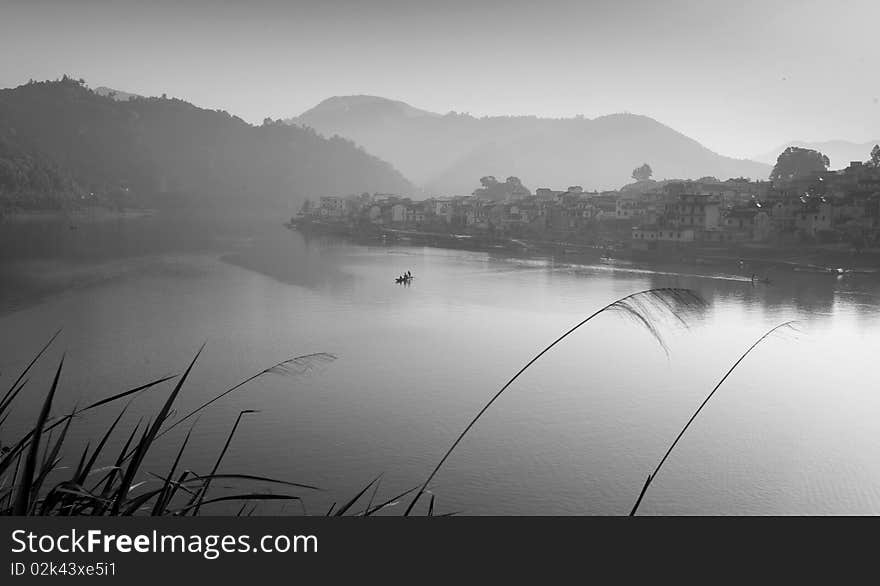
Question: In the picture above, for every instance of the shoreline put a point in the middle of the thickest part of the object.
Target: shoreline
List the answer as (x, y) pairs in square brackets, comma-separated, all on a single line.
[(90, 214), (822, 260)]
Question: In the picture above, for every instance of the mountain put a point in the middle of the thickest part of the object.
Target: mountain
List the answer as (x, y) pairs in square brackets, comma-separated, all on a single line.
[(448, 153), (840, 152), (353, 110), (63, 139)]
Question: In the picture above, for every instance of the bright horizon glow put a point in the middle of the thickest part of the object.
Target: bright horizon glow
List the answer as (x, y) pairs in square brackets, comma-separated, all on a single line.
[(741, 78)]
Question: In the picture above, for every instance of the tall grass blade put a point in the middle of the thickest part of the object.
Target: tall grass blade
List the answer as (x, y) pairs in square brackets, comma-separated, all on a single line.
[(373, 495), (74, 498), (82, 461), (177, 485), (8, 496), (254, 478), (29, 366), (50, 460), (134, 504), (160, 502), (64, 499), (648, 308), (149, 436), (653, 474), (207, 484), (22, 501), (10, 397), (124, 394), (117, 466), (240, 497), (388, 503), (290, 367), (23, 442), (81, 478), (344, 508), (181, 481), (125, 485)]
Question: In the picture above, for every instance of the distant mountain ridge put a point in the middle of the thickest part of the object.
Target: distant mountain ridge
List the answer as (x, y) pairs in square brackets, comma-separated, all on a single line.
[(840, 152), (338, 108), (60, 140), (448, 153)]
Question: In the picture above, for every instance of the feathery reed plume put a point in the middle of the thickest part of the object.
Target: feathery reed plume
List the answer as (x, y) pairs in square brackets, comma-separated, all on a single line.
[(295, 366), (647, 308), (788, 324)]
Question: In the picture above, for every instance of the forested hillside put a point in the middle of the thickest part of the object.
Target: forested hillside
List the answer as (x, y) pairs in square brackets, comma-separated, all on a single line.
[(61, 143)]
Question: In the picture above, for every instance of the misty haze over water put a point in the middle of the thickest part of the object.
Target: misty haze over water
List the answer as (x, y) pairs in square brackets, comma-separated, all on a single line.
[(791, 431), (375, 212)]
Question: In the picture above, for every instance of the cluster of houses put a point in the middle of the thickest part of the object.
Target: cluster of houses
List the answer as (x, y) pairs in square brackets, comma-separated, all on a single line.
[(830, 207), (547, 211), (833, 206)]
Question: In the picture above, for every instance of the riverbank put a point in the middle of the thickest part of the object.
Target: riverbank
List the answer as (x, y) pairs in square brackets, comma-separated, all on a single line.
[(806, 258), (76, 215), (747, 258)]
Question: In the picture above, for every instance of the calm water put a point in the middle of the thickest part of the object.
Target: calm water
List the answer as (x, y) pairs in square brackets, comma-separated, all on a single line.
[(794, 430)]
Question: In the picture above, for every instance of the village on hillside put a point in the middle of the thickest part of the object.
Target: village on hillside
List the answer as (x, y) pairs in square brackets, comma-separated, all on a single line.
[(802, 203)]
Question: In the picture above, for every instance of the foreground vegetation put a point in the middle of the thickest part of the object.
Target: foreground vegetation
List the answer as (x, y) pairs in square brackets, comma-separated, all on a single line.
[(63, 145), (112, 489), (26, 465)]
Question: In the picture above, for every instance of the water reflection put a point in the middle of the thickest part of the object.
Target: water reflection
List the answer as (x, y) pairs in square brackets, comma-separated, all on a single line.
[(792, 431)]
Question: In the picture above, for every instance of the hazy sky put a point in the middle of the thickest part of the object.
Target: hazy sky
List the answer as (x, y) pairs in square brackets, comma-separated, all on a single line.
[(739, 76)]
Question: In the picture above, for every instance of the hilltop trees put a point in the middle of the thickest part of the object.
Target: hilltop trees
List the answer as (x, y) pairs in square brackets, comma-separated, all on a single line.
[(61, 138), (798, 163), (642, 173), (495, 190), (874, 161)]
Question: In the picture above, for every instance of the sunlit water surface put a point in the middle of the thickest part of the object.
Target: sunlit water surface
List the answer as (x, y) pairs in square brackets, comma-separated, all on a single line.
[(794, 430)]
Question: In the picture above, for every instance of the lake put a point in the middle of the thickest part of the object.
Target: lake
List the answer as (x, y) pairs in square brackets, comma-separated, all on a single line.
[(794, 430)]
